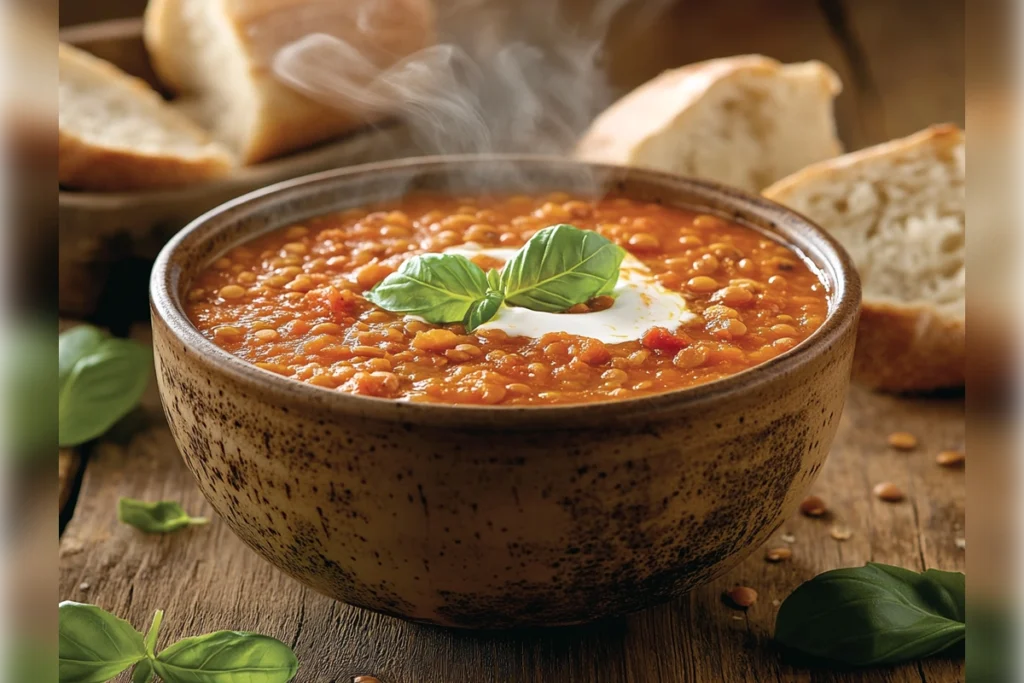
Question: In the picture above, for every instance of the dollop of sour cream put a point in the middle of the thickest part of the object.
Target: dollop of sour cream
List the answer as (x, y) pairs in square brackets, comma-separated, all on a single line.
[(641, 303)]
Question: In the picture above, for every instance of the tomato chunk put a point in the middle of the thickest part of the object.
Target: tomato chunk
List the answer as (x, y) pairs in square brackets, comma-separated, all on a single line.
[(341, 302), (660, 339)]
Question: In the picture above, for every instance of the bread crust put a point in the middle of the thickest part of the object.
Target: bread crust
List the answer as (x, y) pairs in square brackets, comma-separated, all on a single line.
[(621, 132), (945, 137), (901, 347), (83, 165), (287, 120), (909, 348)]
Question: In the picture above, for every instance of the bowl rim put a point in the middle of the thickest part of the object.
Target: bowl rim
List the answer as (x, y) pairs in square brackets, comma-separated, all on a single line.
[(166, 308)]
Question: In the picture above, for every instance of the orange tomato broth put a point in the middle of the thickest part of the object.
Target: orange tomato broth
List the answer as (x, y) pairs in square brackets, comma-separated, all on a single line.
[(290, 302)]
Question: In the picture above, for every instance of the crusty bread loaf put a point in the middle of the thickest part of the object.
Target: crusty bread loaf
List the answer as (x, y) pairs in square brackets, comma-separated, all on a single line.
[(116, 133), (219, 54), (743, 121), (899, 209)]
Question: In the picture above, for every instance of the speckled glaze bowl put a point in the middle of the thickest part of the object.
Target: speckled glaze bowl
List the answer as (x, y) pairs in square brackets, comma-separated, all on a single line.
[(491, 517)]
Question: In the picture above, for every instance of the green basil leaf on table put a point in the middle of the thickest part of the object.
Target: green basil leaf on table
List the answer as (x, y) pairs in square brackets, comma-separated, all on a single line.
[(559, 267), (143, 672), (483, 310), (93, 645), (227, 657), (100, 387), (874, 615), (440, 288), (154, 632), (74, 345), (155, 518)]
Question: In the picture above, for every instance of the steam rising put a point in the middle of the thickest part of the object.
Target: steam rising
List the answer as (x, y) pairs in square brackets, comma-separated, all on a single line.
[(505, 76)]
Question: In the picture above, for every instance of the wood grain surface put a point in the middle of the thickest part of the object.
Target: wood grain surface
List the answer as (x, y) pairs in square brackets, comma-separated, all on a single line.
[(206, 579)]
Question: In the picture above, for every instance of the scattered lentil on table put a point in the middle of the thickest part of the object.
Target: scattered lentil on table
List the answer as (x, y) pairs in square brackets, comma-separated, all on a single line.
[(778, 554), (742, 596), (950, 458), (813, 506), (889, 492), (902, 441)]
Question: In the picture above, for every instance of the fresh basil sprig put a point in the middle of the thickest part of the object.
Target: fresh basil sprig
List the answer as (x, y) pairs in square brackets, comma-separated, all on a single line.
[(101, 379), (873, 615), (155, 518), (95, 646), (559, 267)]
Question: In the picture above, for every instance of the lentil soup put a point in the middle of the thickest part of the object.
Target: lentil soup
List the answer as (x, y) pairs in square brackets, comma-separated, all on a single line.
[(291, 302)]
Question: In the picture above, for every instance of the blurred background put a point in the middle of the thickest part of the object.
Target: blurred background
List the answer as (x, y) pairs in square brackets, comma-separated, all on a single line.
[(884, 50)]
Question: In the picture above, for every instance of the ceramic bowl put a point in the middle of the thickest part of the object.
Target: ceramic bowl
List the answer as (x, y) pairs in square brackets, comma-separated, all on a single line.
[(494, 517)]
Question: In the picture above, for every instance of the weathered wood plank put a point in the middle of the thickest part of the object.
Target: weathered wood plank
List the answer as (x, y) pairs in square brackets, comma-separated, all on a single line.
[(206, 579)]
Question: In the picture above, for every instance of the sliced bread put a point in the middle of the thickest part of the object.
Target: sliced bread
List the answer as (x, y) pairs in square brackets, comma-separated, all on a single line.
[(743, 121), (117, 134), (219, 55), (899, 209)]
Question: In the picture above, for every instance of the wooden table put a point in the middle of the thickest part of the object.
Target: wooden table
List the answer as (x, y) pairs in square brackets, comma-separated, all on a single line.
[(206, 579)]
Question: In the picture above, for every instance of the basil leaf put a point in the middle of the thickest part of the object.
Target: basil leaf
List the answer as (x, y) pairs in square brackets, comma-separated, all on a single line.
[(494, 279), (227, 657), (155, 518), (440, 288), (93, 645), (950, 591), (154, 632), (74, 345), (483, 310), (559, 267), (101, 388), (143, 672), (876, 614)]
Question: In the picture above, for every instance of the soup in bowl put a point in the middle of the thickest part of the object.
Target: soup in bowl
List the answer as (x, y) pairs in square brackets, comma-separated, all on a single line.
[(503, 391)]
